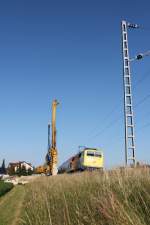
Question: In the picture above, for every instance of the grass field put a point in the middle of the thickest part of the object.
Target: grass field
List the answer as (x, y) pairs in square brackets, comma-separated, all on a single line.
[(112, 198), (11, 205)]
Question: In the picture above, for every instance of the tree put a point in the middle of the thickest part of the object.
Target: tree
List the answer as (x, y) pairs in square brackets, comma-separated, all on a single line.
[(23, 171), (11, 171), (18, 171), (3, 168), (30, 172)]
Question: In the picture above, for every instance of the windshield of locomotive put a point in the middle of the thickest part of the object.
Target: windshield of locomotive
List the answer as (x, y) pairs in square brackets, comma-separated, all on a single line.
[(94, 153)]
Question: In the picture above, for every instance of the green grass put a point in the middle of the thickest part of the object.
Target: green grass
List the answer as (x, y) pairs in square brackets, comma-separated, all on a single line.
[(11, 205), (120, 197), (5, 187)]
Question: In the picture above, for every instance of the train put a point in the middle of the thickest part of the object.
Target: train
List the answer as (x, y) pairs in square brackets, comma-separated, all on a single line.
[(86, 159)]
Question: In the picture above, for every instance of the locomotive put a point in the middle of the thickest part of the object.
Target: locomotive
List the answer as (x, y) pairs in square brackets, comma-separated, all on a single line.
[(86, 159)]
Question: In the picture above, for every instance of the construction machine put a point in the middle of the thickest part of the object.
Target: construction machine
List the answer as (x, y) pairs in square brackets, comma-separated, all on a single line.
[(52, 156)]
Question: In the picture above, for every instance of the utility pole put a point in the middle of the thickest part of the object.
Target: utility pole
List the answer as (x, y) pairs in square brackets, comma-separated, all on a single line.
[(128, 102)]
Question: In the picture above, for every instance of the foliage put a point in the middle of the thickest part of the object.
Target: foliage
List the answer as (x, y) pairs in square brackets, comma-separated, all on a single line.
[(3, 168), (120, 197), (30, 172), (5, 187), (21, 171), (11, 171)]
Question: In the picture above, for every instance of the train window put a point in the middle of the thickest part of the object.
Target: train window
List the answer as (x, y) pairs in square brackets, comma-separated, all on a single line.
[(98, 154), (90, 153)]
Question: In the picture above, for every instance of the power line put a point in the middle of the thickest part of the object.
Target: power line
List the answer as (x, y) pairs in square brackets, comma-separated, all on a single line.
[(115, 108), (144, 28), (109, 125), (143, 127), (113, 122), (142, 100), (143, 78), (109, 114)]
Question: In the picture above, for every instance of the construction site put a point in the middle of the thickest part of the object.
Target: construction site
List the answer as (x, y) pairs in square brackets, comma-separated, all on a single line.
[(74, 114), (92, 158)]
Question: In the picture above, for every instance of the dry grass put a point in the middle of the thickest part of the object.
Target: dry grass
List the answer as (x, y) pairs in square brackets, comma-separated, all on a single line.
[(113, 198)]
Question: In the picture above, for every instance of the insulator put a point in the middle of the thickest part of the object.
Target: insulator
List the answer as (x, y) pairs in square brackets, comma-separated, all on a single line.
[(133, 25), (140, 56)]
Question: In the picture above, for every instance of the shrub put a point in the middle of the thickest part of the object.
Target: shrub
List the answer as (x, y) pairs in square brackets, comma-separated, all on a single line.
[(5, 187)]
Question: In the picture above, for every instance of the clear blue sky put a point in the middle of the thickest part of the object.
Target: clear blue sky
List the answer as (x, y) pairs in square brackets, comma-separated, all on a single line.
[(70, 50)]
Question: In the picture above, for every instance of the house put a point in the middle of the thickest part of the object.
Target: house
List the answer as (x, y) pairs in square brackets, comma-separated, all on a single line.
[(14, 166)]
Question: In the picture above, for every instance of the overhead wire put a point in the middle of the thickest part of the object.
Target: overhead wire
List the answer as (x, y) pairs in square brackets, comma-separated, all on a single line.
[(143, 127), (107, 116), (143, 78), (110, 124), (113, 122), (144, 28), (143, 100)]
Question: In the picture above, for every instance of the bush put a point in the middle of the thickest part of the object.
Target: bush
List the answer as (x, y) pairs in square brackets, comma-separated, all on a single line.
[(5, 187)]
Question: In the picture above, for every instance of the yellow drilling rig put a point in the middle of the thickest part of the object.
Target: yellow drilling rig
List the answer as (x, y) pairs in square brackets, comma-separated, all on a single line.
[(52, 156)]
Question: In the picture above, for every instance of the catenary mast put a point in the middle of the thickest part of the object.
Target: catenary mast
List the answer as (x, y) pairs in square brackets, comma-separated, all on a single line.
[(128, 103)]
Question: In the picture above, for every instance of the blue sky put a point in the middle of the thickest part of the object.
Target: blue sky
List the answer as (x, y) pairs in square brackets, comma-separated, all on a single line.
[(70, 50)]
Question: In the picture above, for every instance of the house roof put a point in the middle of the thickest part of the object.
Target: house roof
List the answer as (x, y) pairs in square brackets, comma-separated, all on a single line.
[(18, 163)]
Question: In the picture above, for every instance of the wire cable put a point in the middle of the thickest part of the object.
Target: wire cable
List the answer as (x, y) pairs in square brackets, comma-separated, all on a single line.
[(143, 78), (109, 114), (112, 123), (143, 127), (142, 100), (115, 108)]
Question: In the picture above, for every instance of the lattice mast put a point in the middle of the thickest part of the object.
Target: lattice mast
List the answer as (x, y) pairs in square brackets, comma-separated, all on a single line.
[(128, 103)]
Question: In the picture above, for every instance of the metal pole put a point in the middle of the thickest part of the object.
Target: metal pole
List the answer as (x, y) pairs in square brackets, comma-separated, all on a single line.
[(128, 105)]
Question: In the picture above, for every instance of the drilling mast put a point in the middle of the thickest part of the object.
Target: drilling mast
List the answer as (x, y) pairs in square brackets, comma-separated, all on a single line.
[(51, 157), (128, 105), (49, 143)]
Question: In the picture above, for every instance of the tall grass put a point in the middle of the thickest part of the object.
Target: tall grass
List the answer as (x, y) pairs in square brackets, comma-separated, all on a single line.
[(120, 197)]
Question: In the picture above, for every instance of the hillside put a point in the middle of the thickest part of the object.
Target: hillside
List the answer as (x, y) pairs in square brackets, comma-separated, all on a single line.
[(113, 198)]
